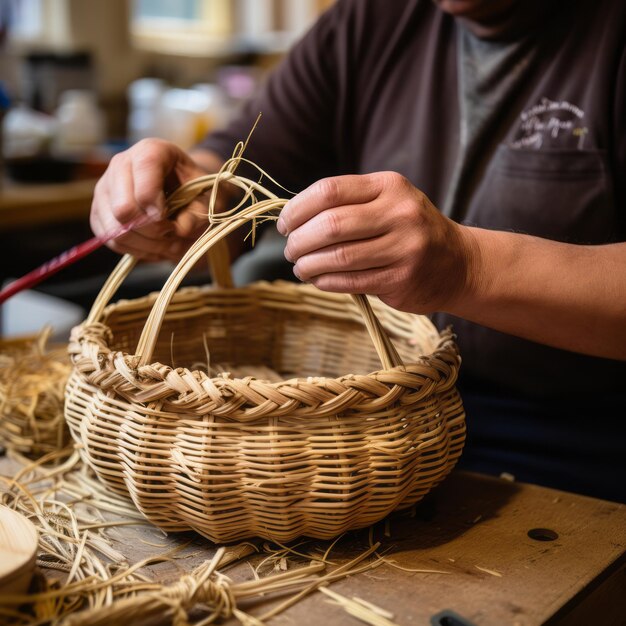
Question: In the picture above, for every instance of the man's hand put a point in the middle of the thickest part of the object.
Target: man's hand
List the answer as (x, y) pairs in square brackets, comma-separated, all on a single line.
[(136, 183), (377, 234)]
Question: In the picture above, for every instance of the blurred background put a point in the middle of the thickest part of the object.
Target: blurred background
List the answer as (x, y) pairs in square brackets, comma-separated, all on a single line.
[(83, 79)]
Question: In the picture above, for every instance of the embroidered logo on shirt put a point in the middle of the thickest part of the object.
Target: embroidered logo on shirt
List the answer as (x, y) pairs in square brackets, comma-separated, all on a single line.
[(551, 124)]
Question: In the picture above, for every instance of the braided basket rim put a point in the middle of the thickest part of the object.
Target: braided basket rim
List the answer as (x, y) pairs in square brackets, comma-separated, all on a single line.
[(97, 356)]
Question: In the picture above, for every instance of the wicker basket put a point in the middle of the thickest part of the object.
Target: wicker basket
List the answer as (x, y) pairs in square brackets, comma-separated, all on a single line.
[(337, 444)]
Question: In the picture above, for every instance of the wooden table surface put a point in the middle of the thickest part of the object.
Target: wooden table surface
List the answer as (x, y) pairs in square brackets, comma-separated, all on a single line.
[(476, 529)]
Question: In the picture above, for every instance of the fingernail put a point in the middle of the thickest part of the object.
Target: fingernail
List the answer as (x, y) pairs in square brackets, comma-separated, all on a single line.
[(280, 227)]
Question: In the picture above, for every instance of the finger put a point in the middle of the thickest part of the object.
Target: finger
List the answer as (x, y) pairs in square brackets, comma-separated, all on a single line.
[(181, 247), (326, 194), (191, 221), (115, 202), (138, 253), (346, 257), (148, 176), (141, 246), (103, 222), (136, 179), (121, 191), (97, 222), (101, 218), (157, 230), (333, 226), (372, 281)]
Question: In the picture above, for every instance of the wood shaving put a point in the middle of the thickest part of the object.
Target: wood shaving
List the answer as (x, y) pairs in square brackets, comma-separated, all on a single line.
[(492, 572)]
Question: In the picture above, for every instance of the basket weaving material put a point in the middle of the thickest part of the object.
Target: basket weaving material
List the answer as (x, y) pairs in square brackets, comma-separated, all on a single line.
[(32, 383), (337, 444)]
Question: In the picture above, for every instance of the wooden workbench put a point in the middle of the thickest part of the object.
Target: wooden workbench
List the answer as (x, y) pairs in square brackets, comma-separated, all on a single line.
[(476, 530)]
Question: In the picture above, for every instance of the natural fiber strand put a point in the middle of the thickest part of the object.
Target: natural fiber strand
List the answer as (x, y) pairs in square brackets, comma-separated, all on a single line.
[(363, 611), (64, 546), (113, 592), (32, 385)]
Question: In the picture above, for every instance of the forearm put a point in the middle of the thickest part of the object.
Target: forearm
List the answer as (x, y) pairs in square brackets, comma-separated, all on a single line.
[(564, 295)]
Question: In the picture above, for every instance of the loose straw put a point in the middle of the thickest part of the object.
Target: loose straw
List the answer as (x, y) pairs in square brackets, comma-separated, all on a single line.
[(32, 383), (115, 592), (362, 610)]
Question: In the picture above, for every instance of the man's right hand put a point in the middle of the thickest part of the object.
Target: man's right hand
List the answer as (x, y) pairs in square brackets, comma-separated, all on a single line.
[(136, 182)]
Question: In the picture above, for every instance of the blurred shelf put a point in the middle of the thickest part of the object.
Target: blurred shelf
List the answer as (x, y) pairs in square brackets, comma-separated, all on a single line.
[(28, 205)]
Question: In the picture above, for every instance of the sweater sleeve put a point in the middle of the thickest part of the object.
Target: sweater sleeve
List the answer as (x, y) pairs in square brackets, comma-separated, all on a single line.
[(293, 141)]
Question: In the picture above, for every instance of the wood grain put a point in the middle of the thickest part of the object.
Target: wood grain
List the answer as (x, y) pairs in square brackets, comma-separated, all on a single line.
[(18, 550)]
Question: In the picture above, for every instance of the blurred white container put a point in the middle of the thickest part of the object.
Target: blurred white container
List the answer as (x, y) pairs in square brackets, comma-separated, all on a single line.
[(25, 132), (185, 116), (80, 123), (274, 26), (215, 112)]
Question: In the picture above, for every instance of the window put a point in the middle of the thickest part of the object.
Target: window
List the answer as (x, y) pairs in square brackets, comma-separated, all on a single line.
[(191, 27), (40, 23), (25, 19), (205, 27)]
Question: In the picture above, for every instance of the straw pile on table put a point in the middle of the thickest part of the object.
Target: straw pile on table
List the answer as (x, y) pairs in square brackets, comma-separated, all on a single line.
[(32, 384)]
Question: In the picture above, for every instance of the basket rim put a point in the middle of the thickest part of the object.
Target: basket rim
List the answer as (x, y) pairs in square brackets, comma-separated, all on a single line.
[(91, 356)]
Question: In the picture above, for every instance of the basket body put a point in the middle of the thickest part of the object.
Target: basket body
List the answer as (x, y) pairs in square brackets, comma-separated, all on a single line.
[(335, 444)]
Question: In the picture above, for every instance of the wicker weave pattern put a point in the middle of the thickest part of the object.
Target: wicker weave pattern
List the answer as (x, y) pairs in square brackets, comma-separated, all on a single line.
[(233, 458), (337, 444)]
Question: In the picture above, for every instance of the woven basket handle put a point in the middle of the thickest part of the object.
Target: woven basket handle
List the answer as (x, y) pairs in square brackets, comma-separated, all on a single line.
[(212, 244), (147, 342), (218, 256)]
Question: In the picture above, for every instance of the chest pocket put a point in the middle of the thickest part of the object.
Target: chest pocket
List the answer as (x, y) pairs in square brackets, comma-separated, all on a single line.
[(565, 195)]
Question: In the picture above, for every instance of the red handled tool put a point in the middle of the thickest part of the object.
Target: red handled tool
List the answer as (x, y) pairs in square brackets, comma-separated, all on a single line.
[(68, 257)]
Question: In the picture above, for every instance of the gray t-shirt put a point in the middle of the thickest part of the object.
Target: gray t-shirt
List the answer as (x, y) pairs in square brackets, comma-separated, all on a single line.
[(489, 75)]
